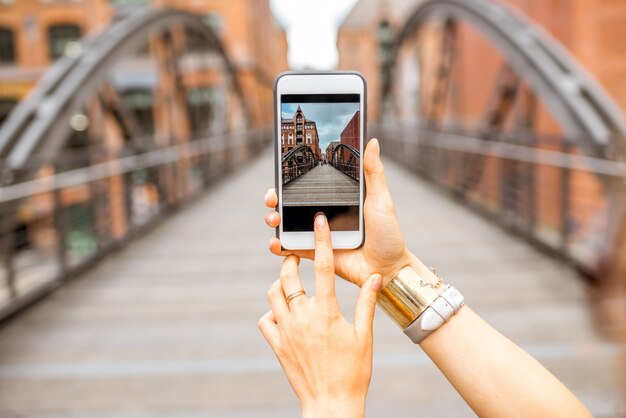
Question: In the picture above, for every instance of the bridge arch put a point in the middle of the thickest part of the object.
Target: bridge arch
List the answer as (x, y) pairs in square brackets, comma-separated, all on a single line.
[(583, 109), (345, 158), (298, 161), (39, 124)]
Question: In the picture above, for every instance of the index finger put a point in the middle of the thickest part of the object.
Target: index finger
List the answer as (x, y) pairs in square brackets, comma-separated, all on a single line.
[(323, 263)]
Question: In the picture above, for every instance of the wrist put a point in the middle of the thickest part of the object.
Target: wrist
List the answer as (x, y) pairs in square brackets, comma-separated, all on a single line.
[(337, 407), (411, 260)]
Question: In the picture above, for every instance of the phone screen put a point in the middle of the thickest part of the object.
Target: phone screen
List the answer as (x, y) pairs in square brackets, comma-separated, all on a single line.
[(320, 159)]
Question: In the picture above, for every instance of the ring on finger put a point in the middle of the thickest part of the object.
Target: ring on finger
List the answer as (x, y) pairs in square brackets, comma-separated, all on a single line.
[(294, 295)]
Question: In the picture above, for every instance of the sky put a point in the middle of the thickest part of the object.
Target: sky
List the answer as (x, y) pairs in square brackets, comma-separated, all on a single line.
[(330, 118), (311, 27)]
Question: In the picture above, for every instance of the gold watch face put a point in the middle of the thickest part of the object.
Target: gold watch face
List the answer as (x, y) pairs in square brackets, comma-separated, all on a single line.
[(406, 296)]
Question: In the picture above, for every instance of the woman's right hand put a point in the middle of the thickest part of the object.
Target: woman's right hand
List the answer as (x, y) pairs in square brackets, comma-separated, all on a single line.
[(384, 251)]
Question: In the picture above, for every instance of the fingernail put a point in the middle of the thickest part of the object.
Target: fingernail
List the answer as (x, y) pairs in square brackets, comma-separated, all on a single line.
[(377, 282), (320, 220)]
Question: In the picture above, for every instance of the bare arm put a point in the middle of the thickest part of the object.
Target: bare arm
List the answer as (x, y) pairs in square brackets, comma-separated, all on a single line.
[(493, 375)]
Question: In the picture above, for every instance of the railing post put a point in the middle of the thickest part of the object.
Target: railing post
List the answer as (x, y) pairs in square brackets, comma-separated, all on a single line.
[(8, 245), (530, 192), (59, 226), (565, 199)]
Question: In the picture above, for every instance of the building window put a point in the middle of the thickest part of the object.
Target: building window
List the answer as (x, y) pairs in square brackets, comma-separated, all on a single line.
[(200, 103), (6, 105), (290, 138), (308, 139), (139, 102), (7, 46), (59, 36)]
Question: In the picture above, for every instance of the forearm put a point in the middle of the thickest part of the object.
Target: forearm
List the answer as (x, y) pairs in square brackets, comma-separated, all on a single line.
[(494, 376)]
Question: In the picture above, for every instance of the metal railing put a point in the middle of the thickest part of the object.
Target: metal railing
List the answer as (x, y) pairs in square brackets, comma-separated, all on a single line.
[(57, 225), (292, 172), (544, 189), (350, 169)]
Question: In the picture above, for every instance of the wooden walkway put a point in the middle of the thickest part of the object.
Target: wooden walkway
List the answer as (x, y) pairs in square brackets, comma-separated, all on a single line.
[(166, 327), (322, 186)]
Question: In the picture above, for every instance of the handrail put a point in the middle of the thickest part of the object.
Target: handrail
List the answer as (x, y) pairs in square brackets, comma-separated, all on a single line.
[(474, 144), (124, 165)]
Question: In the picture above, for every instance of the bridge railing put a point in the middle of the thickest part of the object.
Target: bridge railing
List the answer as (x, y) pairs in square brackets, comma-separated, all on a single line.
[(350, 169), (544, 189), (292, 172), (56, 226)]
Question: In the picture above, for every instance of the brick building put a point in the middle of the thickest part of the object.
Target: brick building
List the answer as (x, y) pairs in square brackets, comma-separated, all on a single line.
[(329, 150), (33, 33), (352, 132), (300, 131)]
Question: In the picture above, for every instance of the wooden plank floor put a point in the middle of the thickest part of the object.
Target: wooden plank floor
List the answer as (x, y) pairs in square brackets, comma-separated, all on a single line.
[(324, 185), (167, 326)]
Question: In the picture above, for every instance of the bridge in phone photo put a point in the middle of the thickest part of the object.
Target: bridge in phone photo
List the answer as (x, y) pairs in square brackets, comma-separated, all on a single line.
[(133, 253)]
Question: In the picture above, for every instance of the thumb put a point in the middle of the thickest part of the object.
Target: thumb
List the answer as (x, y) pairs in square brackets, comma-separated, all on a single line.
[(366, 305), (373, 169)]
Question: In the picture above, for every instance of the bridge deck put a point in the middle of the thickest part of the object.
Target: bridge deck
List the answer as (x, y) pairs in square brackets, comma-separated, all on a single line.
[(323, 185), (167, 326)]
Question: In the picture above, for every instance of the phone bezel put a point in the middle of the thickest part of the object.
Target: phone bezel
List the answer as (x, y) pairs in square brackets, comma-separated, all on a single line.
[(331, 82)]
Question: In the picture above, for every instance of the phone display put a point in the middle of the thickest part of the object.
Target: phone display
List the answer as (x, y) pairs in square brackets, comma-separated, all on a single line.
[(320, 124), (320, 159)]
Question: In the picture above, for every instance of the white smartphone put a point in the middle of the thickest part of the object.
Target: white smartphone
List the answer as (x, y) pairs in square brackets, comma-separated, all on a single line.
[(319, 131)]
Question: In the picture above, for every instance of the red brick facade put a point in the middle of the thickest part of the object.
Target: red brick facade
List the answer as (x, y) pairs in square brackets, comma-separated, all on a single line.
[(352, 132), (300, 131)]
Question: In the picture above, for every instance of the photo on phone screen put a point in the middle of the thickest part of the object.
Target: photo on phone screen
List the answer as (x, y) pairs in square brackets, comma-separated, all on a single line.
[(320, 160)]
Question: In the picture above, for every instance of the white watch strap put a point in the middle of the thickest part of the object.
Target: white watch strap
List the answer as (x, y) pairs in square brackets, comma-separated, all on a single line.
[(441, 310)]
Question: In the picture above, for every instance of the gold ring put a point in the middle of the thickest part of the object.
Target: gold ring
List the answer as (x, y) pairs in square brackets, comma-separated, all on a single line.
[(295, 295)]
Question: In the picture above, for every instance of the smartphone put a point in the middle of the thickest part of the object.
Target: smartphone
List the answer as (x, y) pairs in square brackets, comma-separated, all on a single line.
[(319, 131)]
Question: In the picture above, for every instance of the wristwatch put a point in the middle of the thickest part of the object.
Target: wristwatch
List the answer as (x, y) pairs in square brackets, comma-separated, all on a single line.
[(415, 304)]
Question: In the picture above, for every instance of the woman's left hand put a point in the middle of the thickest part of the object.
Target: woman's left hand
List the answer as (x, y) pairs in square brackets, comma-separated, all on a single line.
[(327, 360)]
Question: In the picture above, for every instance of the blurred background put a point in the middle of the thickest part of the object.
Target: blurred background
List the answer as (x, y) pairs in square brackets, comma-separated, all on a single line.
[(136, 145)]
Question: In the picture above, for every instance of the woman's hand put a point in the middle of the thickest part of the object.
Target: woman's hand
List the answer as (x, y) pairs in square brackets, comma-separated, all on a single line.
[(384, 250), (327, 360)]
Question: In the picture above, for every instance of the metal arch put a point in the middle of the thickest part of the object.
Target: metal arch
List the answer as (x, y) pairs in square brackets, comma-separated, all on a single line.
[(294, 151), (39, 122), (585, 111), (355, 153)]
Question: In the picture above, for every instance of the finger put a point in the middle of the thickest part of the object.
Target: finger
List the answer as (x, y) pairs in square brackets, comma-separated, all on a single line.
[(375, 179), (323, 263), (366, 305), (270, 198), (269, 329), (277, 249), (276, 299), (272, 219), (290, 280)]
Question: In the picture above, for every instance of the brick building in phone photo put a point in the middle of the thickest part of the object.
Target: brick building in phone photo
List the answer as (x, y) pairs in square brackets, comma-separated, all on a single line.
[(352, 132), (329, 150), (300, 131)]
